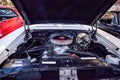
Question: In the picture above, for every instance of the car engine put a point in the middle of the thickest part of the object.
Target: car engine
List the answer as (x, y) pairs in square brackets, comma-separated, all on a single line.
[(58, 55)]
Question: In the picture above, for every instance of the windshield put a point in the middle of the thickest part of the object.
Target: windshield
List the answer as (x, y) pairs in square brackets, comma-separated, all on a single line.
[(6, 12)]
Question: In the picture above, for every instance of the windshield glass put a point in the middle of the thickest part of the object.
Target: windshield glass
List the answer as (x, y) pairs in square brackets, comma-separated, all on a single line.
[(6, 12)]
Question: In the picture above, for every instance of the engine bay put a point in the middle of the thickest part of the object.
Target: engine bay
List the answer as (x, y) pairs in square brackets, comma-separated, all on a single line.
[(59, 55), (52, 43)]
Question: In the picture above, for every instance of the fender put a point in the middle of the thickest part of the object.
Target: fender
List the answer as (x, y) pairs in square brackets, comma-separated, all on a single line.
[(9, 43)]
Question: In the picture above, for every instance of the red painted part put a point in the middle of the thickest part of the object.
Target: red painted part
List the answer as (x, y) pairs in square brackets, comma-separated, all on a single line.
[(61, 38), (11, 24), (74, 55)]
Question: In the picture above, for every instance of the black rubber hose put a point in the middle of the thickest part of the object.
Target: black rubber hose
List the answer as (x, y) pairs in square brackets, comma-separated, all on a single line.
[(83, 53)]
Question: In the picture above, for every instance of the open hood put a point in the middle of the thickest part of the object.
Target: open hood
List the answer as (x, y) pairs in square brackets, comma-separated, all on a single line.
[(62, 11)]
